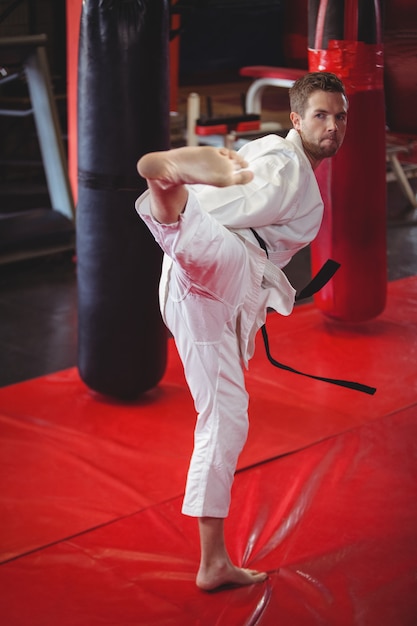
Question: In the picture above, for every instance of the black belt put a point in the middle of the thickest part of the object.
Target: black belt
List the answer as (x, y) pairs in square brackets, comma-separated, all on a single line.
[(320, 279)]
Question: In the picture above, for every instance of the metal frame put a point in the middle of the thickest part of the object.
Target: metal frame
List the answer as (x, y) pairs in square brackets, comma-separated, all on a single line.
[(31, 53)]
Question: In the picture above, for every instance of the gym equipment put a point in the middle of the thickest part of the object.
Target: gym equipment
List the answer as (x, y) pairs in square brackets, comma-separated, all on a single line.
[(123, 113), (36, 232), (346, 40)]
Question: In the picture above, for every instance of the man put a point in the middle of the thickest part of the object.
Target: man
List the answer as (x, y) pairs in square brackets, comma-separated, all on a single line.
[(217, 283)]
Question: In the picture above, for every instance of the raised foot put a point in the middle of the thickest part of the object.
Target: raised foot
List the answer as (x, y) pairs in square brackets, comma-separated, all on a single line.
[(204, 164), (230, 576)]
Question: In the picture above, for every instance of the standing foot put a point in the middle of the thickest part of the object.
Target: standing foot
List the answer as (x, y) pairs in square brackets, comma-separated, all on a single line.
[(210, 579)]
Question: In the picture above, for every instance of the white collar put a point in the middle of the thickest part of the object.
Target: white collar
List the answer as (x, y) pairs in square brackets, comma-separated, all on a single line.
[(295, 139)]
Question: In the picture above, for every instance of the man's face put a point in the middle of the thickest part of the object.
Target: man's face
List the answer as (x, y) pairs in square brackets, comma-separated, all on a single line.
[(323, 127)]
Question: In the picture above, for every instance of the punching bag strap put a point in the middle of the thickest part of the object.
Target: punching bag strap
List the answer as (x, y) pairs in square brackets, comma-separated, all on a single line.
[(319, 280)]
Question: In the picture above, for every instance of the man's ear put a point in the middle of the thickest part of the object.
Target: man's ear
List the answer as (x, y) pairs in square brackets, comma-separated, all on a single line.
[(295, 119)]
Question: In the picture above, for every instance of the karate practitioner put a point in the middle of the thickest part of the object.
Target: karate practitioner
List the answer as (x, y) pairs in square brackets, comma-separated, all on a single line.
[(217, 283)]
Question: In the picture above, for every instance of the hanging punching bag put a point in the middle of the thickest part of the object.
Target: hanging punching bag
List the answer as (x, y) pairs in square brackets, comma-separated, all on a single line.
[(123, 112), (345, 38)]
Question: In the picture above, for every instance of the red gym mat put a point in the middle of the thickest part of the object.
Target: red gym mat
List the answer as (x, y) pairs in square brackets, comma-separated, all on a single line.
[(72, 461), (333, 524)]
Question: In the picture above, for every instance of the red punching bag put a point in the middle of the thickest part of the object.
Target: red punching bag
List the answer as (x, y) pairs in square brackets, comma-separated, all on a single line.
[(345, 38)]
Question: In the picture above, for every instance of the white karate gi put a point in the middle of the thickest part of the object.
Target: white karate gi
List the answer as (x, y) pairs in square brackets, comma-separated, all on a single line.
[(216, 286)]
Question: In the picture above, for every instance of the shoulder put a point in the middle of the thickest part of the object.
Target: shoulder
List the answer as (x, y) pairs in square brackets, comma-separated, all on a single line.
[(278, 160), (281, 151), (270, 144)]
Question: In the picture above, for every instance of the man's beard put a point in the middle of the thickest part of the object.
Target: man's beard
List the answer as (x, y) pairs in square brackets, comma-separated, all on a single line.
[(322, 150)]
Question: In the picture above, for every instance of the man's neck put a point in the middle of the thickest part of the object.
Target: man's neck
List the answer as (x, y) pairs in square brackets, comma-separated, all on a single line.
[(314, 162)]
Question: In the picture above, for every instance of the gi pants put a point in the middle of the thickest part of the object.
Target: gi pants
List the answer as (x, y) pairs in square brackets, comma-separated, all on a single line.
[(213, 302)]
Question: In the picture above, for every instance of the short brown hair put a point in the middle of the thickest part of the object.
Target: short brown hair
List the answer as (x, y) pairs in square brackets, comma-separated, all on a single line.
[(307, 84)]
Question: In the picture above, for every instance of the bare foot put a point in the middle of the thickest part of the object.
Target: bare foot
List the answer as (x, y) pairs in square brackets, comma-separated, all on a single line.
[(219, 167), (209, 579)]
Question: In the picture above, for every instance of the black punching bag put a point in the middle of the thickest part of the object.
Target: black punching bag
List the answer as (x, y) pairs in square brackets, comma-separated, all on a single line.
[(123, 113)]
